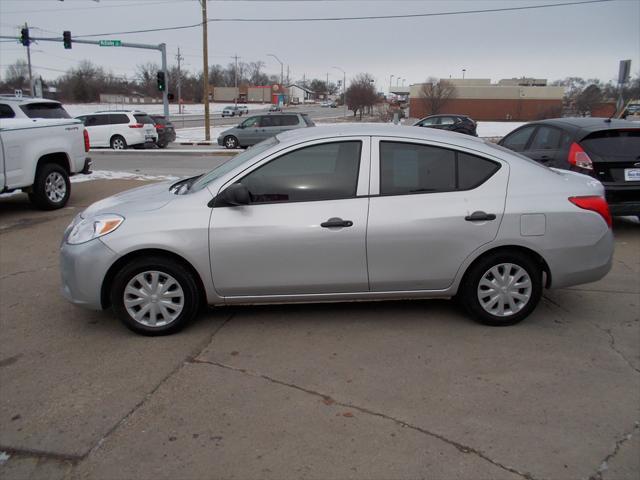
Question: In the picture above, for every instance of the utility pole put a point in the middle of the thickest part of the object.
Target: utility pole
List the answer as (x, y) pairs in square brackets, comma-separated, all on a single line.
[(165, 92), (179, 58), (326, 88), (29, 62), (235, 80), (205, 72), (344, 89)]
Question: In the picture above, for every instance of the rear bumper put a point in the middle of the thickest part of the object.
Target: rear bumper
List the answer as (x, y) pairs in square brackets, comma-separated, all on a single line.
[(623, 199)]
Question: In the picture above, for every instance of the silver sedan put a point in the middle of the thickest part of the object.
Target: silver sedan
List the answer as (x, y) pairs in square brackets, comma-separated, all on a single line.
[(353, 212)]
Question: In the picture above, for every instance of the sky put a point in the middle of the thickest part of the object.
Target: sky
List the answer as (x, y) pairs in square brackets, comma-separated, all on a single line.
[(585, 40)]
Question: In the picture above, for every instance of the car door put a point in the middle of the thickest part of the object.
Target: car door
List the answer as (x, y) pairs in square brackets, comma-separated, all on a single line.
[(303, 231), (431, 207), (546, 145), (270, 125), (249, 131)]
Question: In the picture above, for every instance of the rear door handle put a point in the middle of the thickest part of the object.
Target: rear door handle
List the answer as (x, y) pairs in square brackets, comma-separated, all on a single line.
[(336, 222), (479, 216)]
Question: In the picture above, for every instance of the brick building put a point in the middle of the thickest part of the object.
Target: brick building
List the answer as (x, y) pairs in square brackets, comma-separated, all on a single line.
[(510, 99)]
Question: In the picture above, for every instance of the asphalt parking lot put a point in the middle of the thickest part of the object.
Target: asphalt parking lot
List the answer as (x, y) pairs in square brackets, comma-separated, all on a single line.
[(362, 390)]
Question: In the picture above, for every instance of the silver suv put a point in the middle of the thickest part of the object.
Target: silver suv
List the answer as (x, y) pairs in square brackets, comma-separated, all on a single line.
[(260, 127)]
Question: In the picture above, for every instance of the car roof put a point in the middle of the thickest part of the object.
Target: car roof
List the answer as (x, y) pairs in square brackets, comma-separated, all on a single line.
[(137, 112), (383, 130), (586, 125), (13, 98)]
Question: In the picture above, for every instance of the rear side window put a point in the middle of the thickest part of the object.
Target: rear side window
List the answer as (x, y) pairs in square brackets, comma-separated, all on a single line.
[(143, 118), (270, 121), (613, 142), (6, 111), (546, 138), (118, 118), (409, 168), (319, 172), (44, 110), (288, 120), (518, 140)]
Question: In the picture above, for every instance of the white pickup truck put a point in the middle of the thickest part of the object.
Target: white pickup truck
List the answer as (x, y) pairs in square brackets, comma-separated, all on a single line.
[(39, 155)]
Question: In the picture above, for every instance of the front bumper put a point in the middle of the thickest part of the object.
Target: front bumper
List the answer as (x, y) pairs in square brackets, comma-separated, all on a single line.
[(221, 141), (83, 268)]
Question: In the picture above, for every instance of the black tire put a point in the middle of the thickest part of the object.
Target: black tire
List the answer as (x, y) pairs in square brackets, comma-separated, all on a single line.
[(51, 189), (231, 142), (469, 289), (162, 145), (163, 265), (118, 143)]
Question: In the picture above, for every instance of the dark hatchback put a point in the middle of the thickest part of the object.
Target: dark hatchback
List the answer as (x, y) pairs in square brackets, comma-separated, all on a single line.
[(164, 128), (608, 150), (451, 122)]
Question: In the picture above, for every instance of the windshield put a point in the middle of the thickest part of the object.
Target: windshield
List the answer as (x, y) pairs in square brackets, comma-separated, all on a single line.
[(233, 163), (44, 110)]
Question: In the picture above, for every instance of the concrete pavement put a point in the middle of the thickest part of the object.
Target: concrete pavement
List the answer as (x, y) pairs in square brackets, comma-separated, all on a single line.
[(360, 390)]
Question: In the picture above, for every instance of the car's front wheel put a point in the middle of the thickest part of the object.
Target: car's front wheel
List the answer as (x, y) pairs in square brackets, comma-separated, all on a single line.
[(155, 296), (230, 142), (502, 288)]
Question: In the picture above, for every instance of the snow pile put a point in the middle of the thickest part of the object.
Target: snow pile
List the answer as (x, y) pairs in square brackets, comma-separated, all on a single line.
[(109, 175), (75, 109)]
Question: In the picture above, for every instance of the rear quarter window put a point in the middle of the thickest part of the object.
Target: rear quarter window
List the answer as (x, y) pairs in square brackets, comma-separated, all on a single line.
[(613, 142), (44, 110), (6, 111)]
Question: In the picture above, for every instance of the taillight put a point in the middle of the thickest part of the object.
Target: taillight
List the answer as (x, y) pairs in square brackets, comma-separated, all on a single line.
[(159, 127), (87, 144), (579, 158), (136, 125), (595, 204)]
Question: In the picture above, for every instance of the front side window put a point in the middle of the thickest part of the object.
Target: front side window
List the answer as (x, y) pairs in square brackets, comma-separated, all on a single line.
[(517, 140), (407, 168), (320, 172), (428, 121), (251, 122), (97, 120), (6, 111), (118, 118)]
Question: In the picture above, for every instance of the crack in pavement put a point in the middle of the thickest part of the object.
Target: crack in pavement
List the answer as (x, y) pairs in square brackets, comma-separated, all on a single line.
[(612, 344), (458, 446), (22, 272), (604, 465)]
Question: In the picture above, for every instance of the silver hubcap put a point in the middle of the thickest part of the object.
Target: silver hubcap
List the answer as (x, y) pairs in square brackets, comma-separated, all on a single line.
[(153, 299), (231, 142), (504, 289), (55, 187), (118, 144)]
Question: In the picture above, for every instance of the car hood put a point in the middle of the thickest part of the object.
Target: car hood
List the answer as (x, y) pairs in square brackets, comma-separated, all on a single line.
[(141, 199)]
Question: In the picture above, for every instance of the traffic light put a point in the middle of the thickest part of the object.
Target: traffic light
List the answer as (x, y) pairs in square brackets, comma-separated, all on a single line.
[(66, 39), (24, 37), (161, 82)]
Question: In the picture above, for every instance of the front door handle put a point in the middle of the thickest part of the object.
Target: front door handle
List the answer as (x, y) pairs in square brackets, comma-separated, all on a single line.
[(336, 222), (479, 216)]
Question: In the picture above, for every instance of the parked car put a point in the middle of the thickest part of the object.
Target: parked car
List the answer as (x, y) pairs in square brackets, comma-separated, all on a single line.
[(325, 104), (259, 127), (232, 111), (12, 106), (275, 108), (120, 129), (333, 105), (39, 155), (453, 123), (608, 150), (339, 213), (165, 130), (243, 109)]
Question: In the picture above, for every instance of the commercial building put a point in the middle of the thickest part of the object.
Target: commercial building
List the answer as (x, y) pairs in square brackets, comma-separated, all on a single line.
[(520, 99)]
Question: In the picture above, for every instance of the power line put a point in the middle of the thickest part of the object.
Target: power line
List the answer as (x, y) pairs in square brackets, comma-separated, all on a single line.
[(62, 10), (336, 19)]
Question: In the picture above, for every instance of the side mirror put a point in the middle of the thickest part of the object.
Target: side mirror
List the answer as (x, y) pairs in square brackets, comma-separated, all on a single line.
[(240, 126), (235, 195)]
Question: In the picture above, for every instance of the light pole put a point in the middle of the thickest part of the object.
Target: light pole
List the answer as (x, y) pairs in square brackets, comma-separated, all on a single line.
[(464, 70), (403, 80), (344, 88), (398, 81), (205, 72), (391, 83), (281, 67)]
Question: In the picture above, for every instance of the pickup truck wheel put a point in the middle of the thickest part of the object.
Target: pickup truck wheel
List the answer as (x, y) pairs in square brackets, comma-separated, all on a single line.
[(51, 188), (118, 143)]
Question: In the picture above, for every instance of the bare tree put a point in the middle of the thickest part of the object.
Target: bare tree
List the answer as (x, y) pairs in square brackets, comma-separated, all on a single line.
[(361, 94), (146, 76), (435, 94), (17, 74), (587, 99)]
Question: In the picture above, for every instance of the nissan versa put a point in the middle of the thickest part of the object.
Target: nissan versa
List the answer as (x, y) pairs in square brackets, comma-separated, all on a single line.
[(351, 212)]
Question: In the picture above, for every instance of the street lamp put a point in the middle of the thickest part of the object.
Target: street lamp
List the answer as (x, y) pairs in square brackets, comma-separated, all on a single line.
[(344, 88), (403, 80), (281, 67), (398, 81), (464, 70)]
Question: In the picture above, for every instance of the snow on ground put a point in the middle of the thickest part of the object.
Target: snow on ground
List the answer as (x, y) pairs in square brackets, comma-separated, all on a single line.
[(496, 129), (75, 109)]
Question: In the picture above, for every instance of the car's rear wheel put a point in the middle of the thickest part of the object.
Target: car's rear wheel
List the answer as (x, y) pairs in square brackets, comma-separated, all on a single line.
[(51, 188), (230, 142), (155, 296), (502, 288), (118, 143)]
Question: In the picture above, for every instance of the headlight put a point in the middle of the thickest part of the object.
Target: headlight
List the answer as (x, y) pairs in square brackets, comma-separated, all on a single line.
[(94, 227)]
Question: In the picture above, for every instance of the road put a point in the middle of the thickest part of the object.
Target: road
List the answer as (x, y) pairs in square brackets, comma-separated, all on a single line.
[(159, 162), (197, 120), (360, 390)]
